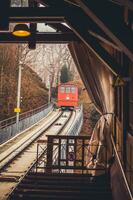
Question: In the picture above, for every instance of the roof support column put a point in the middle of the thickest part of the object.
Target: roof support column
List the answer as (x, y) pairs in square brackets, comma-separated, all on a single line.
[(125, 110), (33, 27), (4, 18)]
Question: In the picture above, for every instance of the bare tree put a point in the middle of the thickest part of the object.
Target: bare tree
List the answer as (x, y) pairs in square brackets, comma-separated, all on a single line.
[(47, 60), (4, 61), (51, 58), (25, 55)]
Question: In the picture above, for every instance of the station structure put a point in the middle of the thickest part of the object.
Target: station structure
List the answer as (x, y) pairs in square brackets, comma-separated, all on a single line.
[(99, 35)]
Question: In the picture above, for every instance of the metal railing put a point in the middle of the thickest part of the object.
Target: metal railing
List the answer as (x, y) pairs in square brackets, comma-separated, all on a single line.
[(9, 127), (67, 154)]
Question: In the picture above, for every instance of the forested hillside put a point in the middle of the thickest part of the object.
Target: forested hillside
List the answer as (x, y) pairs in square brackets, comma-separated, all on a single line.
[(33, 91)]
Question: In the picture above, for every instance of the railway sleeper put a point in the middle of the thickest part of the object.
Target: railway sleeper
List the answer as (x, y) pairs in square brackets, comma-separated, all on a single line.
[(60, 197), (61, 183), (8, 179), (63, 187)]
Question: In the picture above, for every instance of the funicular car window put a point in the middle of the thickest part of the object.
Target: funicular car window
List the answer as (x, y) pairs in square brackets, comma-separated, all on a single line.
[(67, 89), (73, 89), (62, 89)]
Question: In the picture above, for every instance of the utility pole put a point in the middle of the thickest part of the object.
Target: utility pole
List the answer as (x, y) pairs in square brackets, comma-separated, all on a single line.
[(18, 93), (49, 94)]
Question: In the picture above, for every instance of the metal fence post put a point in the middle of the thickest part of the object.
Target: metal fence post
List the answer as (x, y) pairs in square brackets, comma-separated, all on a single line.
[(49, 155)]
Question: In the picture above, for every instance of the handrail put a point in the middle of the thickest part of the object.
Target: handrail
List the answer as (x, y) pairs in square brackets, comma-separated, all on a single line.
[(120, 164), (10, 128), (38, 108), (23, 115)]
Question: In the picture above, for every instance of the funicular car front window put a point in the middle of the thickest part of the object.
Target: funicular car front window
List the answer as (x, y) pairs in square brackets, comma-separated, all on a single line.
[(73, 89), (67, 89), (62, 89)]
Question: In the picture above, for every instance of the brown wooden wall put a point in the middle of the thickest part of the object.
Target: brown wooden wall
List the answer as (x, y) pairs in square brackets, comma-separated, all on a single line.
[(124, 123)]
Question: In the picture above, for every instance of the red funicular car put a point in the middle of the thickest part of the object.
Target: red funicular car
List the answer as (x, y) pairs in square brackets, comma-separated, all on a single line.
[(67, 96)]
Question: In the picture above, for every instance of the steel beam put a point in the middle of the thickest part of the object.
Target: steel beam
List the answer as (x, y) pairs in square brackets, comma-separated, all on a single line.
[(40, 38), (103, 14)]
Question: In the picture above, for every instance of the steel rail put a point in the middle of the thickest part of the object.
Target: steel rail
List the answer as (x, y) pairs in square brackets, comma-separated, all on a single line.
[(61, 132)]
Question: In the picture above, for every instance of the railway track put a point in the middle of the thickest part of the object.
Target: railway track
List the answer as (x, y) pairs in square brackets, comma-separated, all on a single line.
[(10, 149), (62, 131), (16, 167)]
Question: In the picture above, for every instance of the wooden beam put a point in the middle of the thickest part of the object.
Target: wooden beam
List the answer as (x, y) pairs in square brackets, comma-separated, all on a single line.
[(72, 2), (39, 14), (40, 38), (54, 3), (103, 14), (124, 3), (60, 27), (99, 35), (4, 18), (33, 27), (104, 40), (93, 44), (32, 41)]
